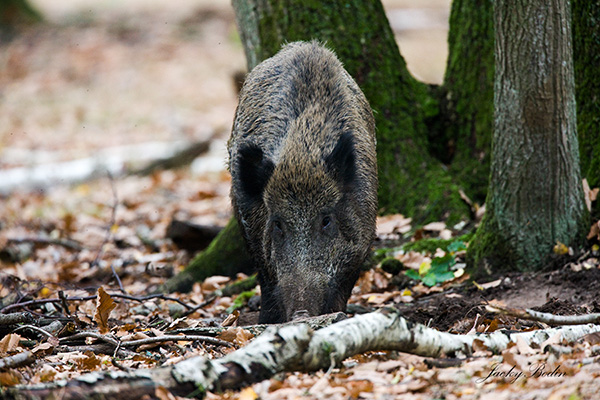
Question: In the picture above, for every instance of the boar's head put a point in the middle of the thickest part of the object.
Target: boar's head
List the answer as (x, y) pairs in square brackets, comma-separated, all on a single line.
[(317, 227)]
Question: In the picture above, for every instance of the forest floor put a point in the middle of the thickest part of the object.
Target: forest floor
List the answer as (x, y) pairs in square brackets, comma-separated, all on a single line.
[(113, 87)]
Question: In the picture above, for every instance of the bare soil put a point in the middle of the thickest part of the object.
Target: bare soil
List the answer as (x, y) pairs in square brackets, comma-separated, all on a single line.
[(560, 292)]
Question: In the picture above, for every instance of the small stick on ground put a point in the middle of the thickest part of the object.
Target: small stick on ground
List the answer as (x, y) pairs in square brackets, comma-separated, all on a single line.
[(546, 318)]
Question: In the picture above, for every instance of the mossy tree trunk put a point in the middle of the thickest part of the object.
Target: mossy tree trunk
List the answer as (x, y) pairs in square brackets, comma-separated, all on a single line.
[(586, 58), (535, 197), (411, 180), (14, 14), (467, 97)]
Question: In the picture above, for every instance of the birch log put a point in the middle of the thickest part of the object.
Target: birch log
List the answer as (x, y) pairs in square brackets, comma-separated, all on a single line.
[(288, 348)]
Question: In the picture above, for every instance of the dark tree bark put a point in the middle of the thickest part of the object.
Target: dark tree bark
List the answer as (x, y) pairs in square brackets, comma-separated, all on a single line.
[(535, 197), (586, 58), (467, 96)]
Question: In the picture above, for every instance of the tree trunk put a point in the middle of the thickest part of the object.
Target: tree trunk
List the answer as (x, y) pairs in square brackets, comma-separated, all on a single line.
[(411, 181), (15, 13), (586, 58), (467, 96), (535, 196)]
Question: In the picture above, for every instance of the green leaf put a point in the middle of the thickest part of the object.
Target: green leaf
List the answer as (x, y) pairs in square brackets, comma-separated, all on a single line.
[(424, 268), (429, 280), (446, 276), (456, 246), (440, 263), (241, 300), (412, 274)]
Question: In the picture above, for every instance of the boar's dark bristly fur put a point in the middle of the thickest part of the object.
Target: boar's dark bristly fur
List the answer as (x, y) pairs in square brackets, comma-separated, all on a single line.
[(304, 180)]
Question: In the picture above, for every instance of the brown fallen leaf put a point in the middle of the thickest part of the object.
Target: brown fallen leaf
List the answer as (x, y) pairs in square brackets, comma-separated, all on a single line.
[(163, 393), (237, 336), (594, 231), (435, 227), (10, 378), (89, 361), (590, 195), (215, 282), (393, 224), (479, 346), (357, 388), (45, 348), (248, 394), (104, 305), (231, 318), (9, 343), (47, 373), (592, 338)]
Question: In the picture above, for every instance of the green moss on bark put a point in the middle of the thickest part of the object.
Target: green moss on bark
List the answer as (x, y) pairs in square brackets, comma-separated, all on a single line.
[(535, 197), (226, 255), (586, 59), (467, 96), (489, 252)]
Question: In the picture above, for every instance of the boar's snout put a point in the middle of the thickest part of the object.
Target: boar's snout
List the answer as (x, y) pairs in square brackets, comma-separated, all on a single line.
[(303, 296), (300, 314)]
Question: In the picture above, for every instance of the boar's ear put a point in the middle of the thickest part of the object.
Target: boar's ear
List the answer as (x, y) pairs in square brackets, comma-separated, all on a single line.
[(255, 170), (342, 160)]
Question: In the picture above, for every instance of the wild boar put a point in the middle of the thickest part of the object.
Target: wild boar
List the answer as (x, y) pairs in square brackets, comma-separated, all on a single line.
[(304, 180)]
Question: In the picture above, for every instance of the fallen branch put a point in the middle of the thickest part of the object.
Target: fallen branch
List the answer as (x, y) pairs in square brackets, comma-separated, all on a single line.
[(18, 360), (66, 243), (34, 328), (546, 318), (289, 348), (149, 340), (16, 318), (179, 159), (97, 348), (177, 338), (117, 160), (314, 323), (63, 299)]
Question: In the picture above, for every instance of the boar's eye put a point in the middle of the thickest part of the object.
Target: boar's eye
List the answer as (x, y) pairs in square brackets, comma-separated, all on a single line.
[(277, 229), (326, 222)]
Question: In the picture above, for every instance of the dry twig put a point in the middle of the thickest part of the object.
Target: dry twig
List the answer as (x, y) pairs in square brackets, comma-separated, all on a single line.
[(546, 318)]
